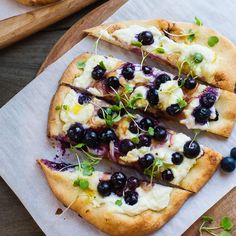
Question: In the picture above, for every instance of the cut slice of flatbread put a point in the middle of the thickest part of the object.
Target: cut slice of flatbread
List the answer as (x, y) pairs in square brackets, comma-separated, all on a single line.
[(155, 206), (178, 44), (172, 92), (148, 136)]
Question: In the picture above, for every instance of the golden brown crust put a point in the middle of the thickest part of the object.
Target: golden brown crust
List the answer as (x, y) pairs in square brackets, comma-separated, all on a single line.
[(36, 2), (103, 217), (225, 75), (202, 171)]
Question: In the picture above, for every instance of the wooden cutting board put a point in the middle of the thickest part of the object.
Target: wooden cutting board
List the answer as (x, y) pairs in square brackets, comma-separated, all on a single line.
[(224, 207)]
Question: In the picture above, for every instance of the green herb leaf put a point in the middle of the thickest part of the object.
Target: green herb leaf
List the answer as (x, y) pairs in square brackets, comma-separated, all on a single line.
[(207, 219), (131, 103), (81, 64), (212, 41), (137, 44), (88, 171), (159, 50), (58, 108), (128, 88), (198, 57), (198, 21), (226, 223), (82, 183), (102, 65), (118, 202), (225, 233), (191, 35), (79, 145), (135, 139), (151, 131), (182, 103), (65, 107)]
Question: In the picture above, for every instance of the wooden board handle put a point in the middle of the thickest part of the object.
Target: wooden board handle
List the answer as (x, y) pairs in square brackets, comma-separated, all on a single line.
[(19, 27)]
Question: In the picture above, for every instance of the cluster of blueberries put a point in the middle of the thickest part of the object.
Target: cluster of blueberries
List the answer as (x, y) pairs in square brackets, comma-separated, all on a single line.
[(228, 164)]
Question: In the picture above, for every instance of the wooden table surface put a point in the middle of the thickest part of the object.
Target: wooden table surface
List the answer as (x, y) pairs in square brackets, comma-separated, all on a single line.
[(19, 65)]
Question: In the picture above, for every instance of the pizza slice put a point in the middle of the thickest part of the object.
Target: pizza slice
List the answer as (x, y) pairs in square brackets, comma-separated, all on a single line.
[(149, 89), (94, 199), (100, 129), (193, 49)]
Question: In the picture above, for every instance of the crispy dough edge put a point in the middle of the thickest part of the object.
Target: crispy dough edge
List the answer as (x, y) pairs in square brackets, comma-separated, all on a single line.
[(54, 127), (106, 220), (36, 2), (202, 171), (224, 77)]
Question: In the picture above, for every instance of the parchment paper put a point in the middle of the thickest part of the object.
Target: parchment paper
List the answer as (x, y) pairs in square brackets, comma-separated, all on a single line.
[(24, 119), (9, 8)]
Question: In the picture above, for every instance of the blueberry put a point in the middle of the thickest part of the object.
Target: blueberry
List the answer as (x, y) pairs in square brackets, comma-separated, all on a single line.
[(118, 180), (146, 160), (128, 71), (152, 96), (144, 140), (207, 100), (126, 145), (167, 175), (91, 138), (160, 133), (146, 38), (181, 82), (216, 118), (113, 82), (228, 164), (233, 153), (84, 99), (161, 79), (146, 123), (147, 70), (131, 197), (75, 132), (107, 135), (104, 188), (98, 72), (190, 83), (177, 158), (132, 183), (173, 109), (201, 114), (133, 128), (191, 149)]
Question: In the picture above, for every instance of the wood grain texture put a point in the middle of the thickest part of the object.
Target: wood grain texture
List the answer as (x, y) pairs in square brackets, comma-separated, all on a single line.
[(19, 27), (76, 34)]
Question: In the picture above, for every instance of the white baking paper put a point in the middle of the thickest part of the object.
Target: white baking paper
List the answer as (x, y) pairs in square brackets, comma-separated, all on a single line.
[(24, 121), (10, 8)]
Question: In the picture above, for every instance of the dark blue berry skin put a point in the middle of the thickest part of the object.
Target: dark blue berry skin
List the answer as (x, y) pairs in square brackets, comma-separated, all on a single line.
[(160, 133), (131, 197), (104, 188), (161, 79), (146, 38), (113, 82), (144, 140), (132, 183), (125, 146), (173, 110), (133, 127), (201, 114), (118, 180), (107, 135), (177, 158), (91, 138), (191, 149), (167, 175), (128, 71), (146, 160), (152, 96), (82, 99), (147, 70), (145, 123), (207, 100), (228, 164), (233, 153), (98, 72), (75, 132), (190, 83)]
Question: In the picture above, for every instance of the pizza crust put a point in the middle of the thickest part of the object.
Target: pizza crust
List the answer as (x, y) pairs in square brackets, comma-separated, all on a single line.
[(36, 2), (225, 75), (106, 220)]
